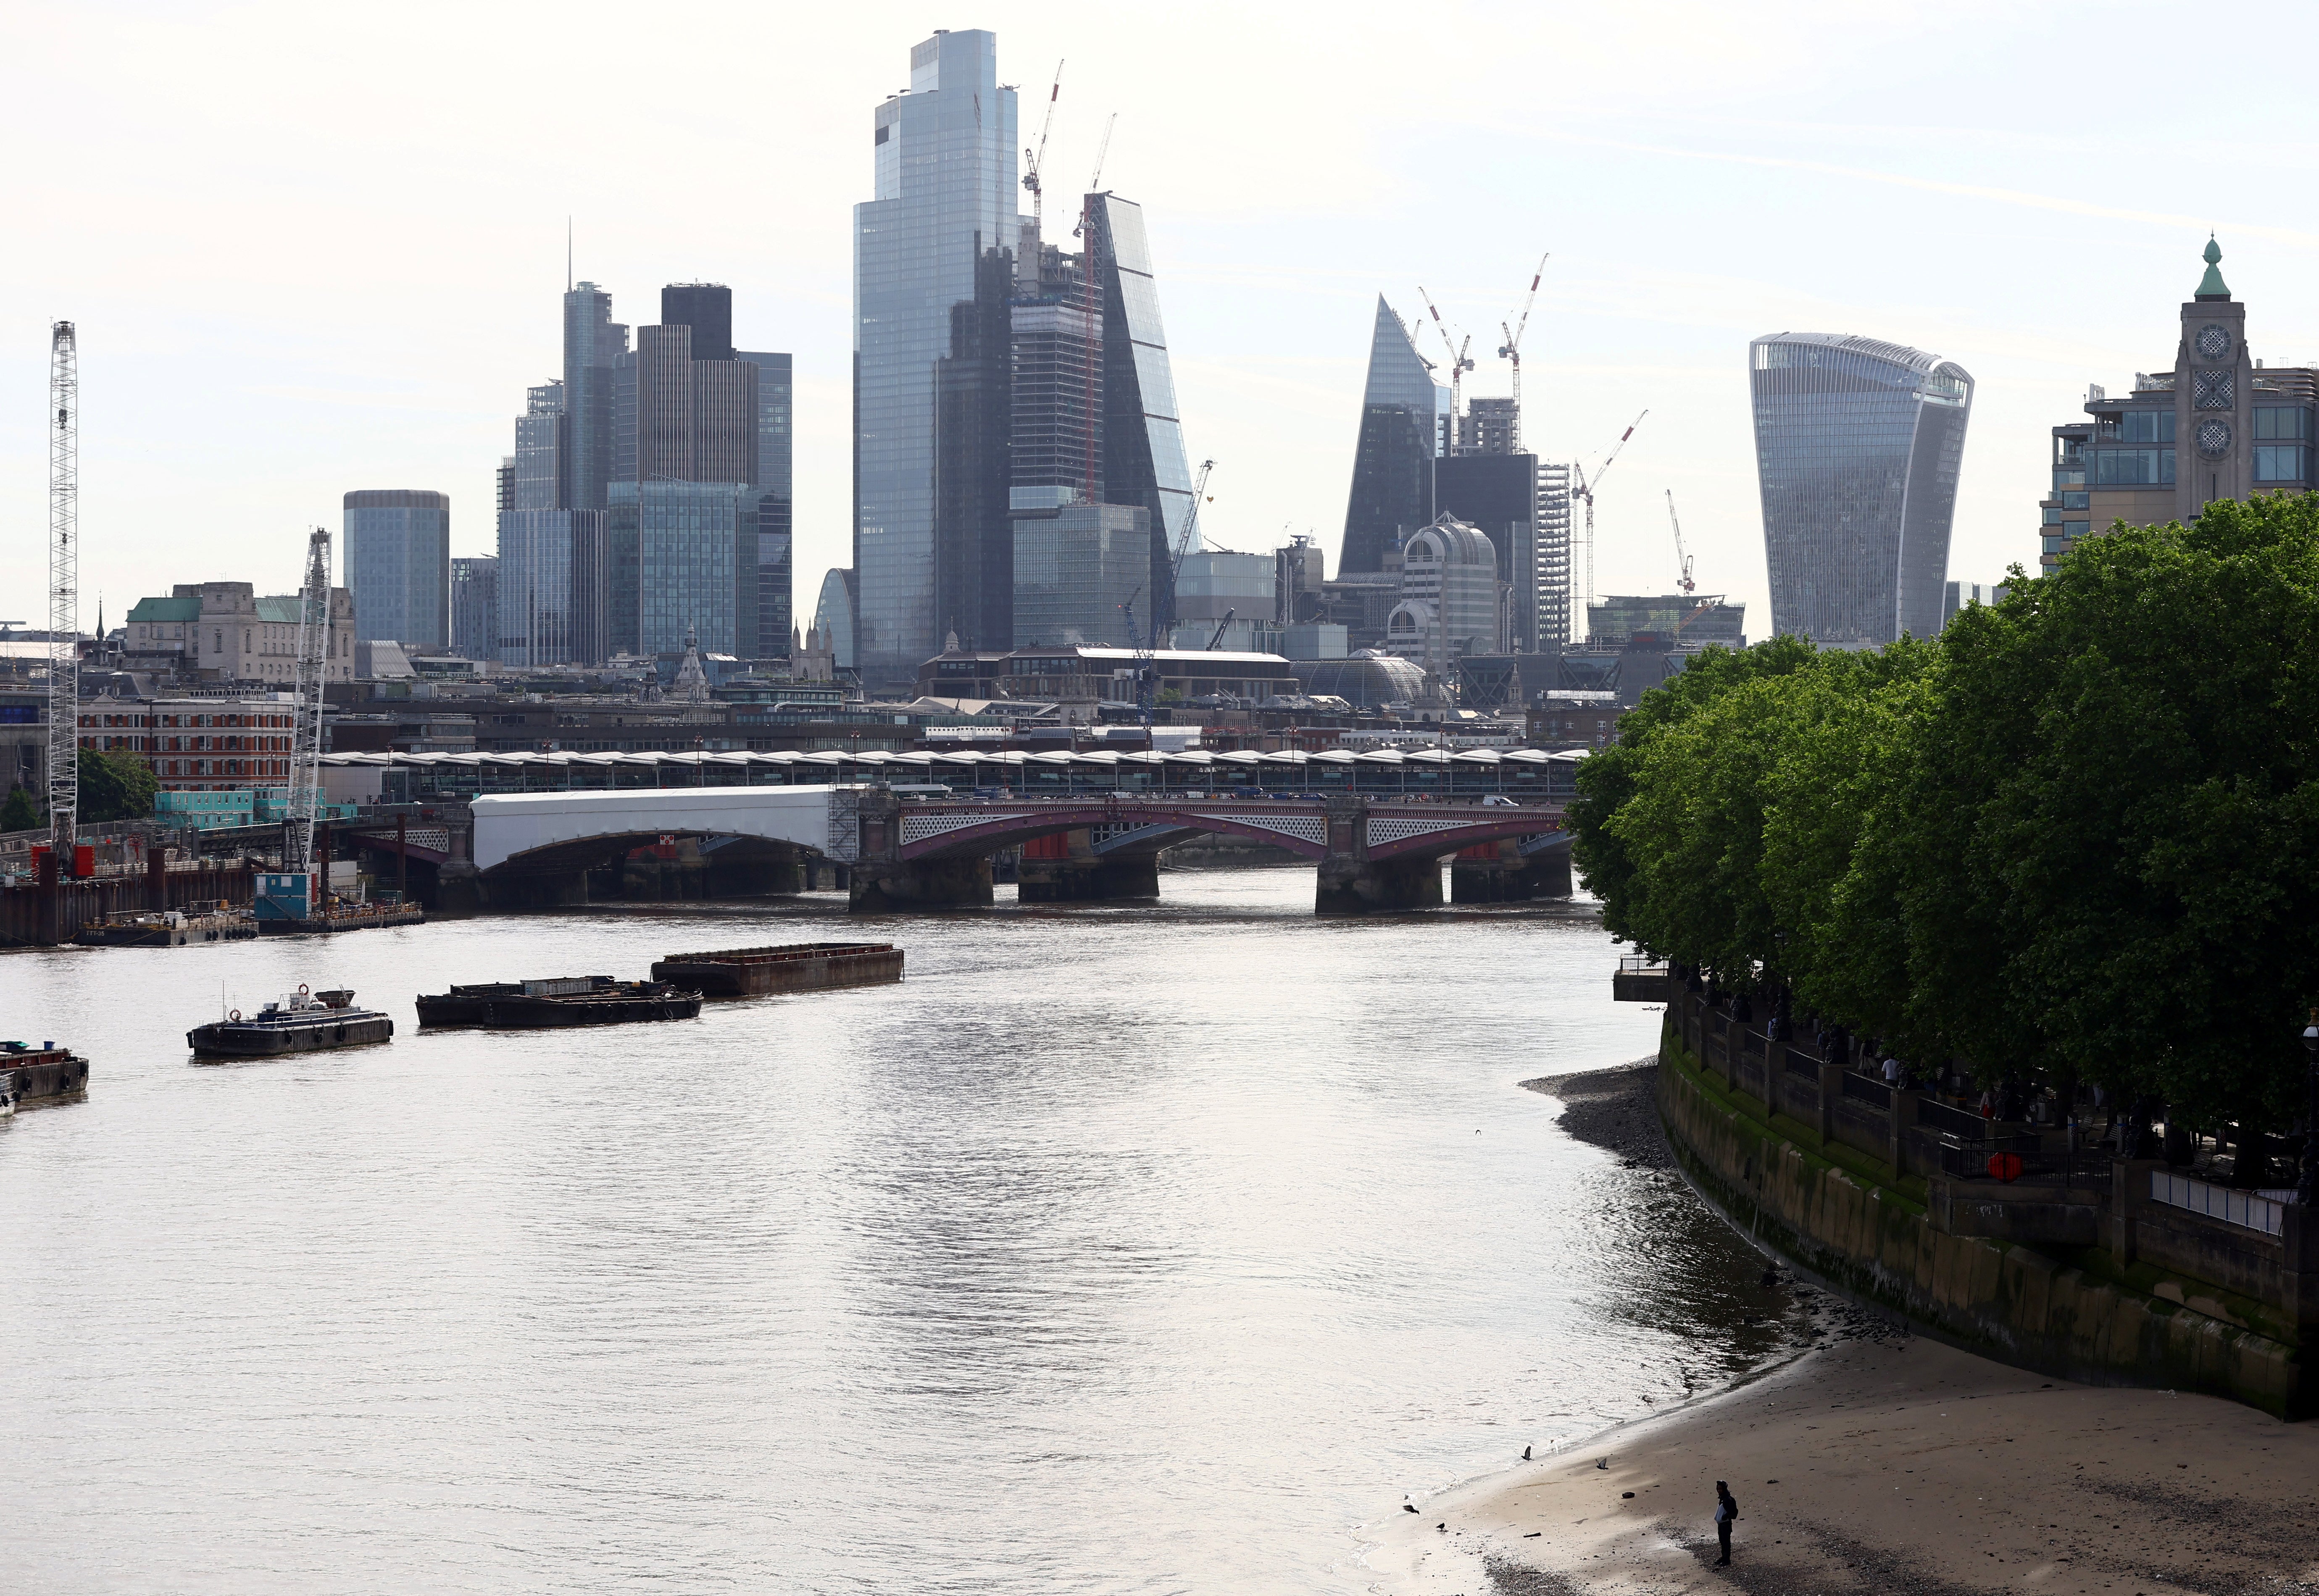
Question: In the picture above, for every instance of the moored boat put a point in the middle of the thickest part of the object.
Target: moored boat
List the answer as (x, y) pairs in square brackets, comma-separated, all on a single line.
[(793, 967), (303, 1023), (29, 1073), (567, 1000), (170, 928)]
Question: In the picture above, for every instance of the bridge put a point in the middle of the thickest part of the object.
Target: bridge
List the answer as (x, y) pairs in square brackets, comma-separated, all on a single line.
[(906, 854)]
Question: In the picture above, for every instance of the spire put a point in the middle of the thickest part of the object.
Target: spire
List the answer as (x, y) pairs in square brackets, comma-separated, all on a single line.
[(2211, 285)]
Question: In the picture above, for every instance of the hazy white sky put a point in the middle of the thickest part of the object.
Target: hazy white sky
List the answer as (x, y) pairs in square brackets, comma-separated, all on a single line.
[(316, 248)]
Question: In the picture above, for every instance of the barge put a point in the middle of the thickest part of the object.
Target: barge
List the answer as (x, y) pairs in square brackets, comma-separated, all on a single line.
[(29, 1073), (303, 1023), (568, 1000), (795, 966), (355, 916), (170, 928)]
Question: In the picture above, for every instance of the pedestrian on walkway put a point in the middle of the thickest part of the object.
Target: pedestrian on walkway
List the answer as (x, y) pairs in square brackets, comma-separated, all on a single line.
[(1727, 1512)]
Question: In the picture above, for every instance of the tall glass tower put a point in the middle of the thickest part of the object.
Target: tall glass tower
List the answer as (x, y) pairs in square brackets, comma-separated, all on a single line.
[(1857, 448), (944, 155), (396, 560), (1402, 410)]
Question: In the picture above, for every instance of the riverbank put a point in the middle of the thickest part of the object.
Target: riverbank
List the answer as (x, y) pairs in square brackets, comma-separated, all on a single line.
[(1895, 1467), (1879, 1461)]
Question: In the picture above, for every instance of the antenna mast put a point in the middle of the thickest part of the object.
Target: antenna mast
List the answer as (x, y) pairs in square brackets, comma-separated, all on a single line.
[(306, 742), (64, 592)]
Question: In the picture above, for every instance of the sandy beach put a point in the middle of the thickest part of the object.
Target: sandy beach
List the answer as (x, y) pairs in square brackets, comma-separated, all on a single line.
[(1880, 1462)]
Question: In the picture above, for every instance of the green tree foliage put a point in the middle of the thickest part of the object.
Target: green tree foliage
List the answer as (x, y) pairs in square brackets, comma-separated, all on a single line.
[(2078, 834), (114, 788), (20, 813)]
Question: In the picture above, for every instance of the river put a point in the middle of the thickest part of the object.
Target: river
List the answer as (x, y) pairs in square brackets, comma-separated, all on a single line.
[(1138, 1249)]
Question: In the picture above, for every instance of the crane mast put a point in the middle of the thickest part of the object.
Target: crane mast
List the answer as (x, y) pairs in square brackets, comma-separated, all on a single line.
[(64, 592), (1034, 160), (1458, 366), (306, 741), (1510, 350), (1586, 491), (1184, 540), (1681, 558)]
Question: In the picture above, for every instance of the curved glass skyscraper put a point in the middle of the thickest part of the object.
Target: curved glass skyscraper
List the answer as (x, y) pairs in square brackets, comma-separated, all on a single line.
[(1857, 448)]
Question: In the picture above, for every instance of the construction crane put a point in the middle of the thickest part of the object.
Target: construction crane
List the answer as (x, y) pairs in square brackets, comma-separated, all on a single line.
[(1222, 627), (1033, 160), (1511, 348), (1145, 670), (1585, 490), (1191, 529), (64, 593), (306, 738), (1681, 558), (1458, 366)]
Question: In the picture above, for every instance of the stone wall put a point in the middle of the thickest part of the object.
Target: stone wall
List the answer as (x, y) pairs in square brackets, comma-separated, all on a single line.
[(1871, 1231)]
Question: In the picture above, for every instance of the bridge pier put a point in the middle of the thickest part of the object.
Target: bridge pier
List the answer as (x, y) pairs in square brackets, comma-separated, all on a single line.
[(1349, 886), (1501, 872), (1097, 880), (885, 886)]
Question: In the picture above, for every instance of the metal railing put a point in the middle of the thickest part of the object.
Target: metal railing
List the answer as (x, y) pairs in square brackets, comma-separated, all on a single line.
[(2245, 1209), (1935, 1116), (1799, 1064), (1861, 1089)]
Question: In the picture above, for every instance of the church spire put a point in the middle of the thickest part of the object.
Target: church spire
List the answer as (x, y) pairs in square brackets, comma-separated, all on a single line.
[(2211, 285)]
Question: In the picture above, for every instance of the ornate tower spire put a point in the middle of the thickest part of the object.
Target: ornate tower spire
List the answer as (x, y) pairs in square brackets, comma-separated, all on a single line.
[(2211, 285)]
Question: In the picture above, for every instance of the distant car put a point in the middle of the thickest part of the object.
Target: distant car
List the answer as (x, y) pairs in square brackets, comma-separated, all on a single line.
[(1498, 801)]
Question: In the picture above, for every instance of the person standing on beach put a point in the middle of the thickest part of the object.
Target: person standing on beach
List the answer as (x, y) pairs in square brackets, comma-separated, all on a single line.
[(1727, 1512)]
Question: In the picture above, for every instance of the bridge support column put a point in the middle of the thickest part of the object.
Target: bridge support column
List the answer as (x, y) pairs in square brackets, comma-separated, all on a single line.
[(883, 886), (1095, 879), (1358, 887), (1499, 872)]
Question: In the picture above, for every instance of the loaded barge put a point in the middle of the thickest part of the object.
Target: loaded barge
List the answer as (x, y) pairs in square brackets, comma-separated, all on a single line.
[(570, 1000), (29, 1072), (170, 928), (796, 966), (301, 1023)]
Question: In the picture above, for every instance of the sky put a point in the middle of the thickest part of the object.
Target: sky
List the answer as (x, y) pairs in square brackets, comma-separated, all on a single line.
[(311, 249)]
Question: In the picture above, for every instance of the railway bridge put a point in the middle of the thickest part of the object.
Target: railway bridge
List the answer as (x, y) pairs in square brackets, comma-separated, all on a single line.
[(902, 854)]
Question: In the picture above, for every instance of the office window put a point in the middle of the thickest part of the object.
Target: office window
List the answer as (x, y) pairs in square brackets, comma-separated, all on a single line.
[(2281, 463), (2281, 421)]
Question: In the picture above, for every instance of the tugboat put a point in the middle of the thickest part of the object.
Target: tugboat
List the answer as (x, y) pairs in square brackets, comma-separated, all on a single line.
[(303, 1023), (568, 1000)]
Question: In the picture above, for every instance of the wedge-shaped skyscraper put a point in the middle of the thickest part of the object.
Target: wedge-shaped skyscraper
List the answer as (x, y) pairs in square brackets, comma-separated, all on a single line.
[(1402, 410), (1857, 448)]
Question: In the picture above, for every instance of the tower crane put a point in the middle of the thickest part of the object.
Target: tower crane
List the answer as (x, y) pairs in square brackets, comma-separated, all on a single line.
[(1584, 490), (64, 592), (1681, 558), (1511, 348), (1184, 539), (1460, 365), (1035, 159)]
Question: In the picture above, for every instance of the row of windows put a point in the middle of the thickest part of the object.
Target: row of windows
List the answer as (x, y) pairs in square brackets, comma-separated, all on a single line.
[(2131, 467), (184, 720), (2281, 421), (2281, 463), (2138, 427)]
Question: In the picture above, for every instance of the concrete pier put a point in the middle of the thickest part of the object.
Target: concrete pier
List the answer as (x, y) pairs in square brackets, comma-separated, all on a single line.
[(1087, 880), (1362, 887), (882, 886), (1501, 872)]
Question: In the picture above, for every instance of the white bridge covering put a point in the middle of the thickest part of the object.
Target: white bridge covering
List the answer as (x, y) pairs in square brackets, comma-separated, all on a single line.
[(524, 822)]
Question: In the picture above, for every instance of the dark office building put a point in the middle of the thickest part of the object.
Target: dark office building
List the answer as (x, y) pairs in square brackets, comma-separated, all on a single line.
[(706, 308), (475, 606), (1393, 460), (1144, 463), (974, 415), (774, 524), (1498, 493)]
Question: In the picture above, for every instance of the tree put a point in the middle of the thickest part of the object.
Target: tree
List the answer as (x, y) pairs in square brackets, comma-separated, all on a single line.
[(19, 813), (114, 788)]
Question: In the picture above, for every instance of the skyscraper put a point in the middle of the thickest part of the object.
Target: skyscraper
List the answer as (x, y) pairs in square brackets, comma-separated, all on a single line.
[(774, 513), (475, 606), (535, 538), (1858, 443), (1142, 440), (594, 347), (396, 560), (833, 615), (696, 563), (1401, 412), (944, 159)]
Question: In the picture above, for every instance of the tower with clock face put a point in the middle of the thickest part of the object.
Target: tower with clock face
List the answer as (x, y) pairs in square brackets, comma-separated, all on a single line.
[(2213, 395)]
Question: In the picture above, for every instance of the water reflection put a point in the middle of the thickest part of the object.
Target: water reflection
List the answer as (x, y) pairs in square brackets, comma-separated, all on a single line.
[(1133, 1250)]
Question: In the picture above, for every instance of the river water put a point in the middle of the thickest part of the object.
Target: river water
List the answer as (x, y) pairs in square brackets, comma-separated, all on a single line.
[(1146, 1250)]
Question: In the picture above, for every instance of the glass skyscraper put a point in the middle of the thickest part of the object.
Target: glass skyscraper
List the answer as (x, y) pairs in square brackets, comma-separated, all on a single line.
[(476, 607), (1144, 461), (1857, 448), (695, 565), (1075, 569), (944, 159), (396, 562), (774, 527), (1401, 412)]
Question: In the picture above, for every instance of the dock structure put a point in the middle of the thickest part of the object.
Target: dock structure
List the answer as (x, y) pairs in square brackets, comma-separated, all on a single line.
[(797, 967)]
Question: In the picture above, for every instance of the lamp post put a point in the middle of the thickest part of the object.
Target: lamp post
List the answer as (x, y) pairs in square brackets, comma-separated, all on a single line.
[(2307, 1189)]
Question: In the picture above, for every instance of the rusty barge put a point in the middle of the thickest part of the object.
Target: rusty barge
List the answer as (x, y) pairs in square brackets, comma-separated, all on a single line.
[(566, 1000), (795, 966)]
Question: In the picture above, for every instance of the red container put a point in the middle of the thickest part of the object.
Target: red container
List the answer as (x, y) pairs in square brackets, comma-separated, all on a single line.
[(83, 859)]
